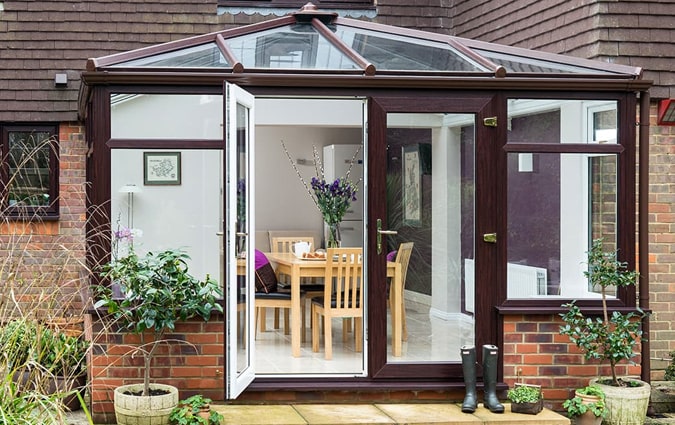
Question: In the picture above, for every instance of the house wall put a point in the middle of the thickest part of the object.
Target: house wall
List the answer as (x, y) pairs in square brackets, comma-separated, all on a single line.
[(41, 262)]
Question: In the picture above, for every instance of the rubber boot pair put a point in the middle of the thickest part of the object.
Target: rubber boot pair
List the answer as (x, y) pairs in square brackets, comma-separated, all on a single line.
[(490, 400)]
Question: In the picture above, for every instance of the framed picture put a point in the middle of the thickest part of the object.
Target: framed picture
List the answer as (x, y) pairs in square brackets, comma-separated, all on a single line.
[(161, 168), (412, 186)]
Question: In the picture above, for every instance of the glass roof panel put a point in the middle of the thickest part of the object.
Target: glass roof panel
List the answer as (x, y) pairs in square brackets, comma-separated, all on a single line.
[(202, 56), (394, 52), (515, 63), (296, 46)]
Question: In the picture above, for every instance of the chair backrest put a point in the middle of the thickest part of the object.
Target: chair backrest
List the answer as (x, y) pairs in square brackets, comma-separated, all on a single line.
[(284, 243), (403, 257), (344, 268)]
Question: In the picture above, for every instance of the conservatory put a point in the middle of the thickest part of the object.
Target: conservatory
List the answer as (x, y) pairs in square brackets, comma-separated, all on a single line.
[(493, 167)]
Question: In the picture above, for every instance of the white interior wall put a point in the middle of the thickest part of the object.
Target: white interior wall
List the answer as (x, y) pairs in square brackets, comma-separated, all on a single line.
[(282, 201), (173, 216)]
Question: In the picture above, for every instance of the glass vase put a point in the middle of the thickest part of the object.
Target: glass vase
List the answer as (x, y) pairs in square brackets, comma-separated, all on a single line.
[(333, 237)]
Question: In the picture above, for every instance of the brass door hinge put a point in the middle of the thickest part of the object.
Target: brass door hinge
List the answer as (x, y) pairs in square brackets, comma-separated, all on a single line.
[(490, 122)]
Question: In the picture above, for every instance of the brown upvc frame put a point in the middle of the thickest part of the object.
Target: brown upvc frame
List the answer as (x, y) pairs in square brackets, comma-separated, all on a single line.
[(625, 150), (383, 94)]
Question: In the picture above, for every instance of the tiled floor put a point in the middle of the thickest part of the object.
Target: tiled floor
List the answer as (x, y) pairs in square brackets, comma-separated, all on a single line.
[(430, 339)]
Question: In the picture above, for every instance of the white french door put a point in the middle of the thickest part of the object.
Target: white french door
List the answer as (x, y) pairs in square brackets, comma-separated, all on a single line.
[(238, 245)]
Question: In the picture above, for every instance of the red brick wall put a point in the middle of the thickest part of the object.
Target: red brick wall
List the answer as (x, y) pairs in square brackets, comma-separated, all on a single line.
[(193, 366), (535, 353)]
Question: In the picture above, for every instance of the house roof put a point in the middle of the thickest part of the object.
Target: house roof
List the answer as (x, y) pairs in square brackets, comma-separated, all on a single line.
[(313, 41)]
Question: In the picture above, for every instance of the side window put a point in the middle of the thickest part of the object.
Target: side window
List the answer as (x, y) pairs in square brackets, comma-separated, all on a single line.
[(297, 4), (29, 174)]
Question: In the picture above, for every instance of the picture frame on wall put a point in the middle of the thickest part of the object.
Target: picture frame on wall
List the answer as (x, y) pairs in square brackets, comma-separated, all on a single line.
[(161, 168), (412, 185)]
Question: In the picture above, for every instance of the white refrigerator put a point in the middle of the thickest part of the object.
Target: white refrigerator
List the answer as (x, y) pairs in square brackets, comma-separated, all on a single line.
[(336, 162)]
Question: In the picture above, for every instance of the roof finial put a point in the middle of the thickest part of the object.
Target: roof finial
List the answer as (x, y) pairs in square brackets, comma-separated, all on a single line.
[(310, 11)]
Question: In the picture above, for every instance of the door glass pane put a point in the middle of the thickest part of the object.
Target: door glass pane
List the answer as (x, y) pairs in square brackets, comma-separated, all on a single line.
[(430, 202)]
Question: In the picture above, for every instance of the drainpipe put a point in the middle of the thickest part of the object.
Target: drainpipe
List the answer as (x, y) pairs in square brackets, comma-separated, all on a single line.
[(643, 228)]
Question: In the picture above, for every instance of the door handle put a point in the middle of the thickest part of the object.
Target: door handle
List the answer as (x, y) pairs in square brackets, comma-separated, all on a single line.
[(381, 232)]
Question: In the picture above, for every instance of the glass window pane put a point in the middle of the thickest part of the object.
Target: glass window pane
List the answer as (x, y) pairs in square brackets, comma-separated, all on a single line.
[(191, 209), (392, 52), (430, 202), (552, 121), (29, 168), (204, 56), (152, 116), (515, 63), (557, 204), (297, 46)]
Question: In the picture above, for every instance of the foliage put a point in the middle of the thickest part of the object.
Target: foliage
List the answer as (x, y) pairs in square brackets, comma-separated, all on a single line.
[(26, 341), (62, 354), (670, 370), (604, 338), (158, 292), (577, 407), (524, 394), (186, 413)]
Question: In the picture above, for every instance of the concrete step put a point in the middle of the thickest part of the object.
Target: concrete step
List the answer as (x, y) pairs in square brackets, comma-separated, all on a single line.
[(374, 414)]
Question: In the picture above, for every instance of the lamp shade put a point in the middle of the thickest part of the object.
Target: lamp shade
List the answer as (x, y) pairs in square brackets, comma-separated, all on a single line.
[(130, 188)]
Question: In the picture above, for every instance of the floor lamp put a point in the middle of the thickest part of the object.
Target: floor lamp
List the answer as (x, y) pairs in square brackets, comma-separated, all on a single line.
[(130, 189)]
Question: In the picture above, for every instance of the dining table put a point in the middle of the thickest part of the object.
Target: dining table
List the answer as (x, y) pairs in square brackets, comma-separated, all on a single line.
[(297, 268)]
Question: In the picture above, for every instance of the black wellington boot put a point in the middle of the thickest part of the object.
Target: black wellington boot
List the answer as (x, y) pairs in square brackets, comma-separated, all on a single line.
[(490, 400), (468, 353)]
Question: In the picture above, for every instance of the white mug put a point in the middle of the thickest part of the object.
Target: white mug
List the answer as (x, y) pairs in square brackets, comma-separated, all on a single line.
[(300, 248)]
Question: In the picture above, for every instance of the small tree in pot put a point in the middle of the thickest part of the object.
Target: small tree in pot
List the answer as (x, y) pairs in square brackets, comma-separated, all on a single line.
[(158, 292), (609, 338)]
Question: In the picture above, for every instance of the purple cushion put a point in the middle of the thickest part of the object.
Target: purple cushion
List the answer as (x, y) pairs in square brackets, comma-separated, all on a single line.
[(260, 259), (392, 256), (265, 278)]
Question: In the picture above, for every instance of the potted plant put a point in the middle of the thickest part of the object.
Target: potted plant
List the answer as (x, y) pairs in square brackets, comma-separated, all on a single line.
[(587, 407), (526, 398), (158, 292), (610, 338), (195, 410)]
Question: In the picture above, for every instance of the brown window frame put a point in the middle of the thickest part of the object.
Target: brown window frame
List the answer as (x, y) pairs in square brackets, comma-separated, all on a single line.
[(23, 212)]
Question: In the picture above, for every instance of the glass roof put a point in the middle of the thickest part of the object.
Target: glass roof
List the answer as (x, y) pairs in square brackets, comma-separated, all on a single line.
[(310, 40)]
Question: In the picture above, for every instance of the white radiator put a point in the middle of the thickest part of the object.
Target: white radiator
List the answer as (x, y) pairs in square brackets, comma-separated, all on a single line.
[(525, 281), (522, 282)]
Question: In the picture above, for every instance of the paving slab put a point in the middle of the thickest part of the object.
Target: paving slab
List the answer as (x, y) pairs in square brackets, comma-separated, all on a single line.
[(339, 414), (545, 417), (276, 414), (429, 414)]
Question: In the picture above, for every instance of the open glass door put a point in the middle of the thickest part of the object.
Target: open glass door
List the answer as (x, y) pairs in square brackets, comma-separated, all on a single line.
[(238, 249)]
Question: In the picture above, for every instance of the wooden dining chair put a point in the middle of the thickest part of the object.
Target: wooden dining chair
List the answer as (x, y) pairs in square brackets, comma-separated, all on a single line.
[(309, 287), (342, 298), (268, 296), (402, 257), (285, 243)]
